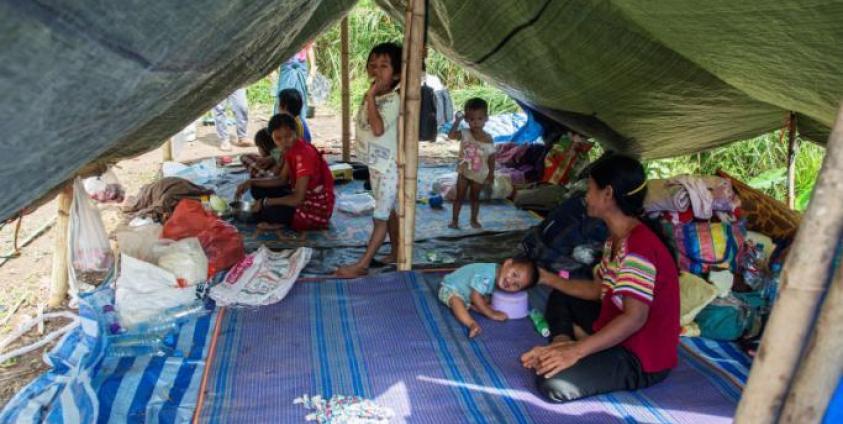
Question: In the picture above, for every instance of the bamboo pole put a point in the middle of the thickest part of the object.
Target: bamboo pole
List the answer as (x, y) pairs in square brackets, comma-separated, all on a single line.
[(821, 369), (58, 289), (411, 86), (168, 150), (346, 92), (792, 152), (803, 284)]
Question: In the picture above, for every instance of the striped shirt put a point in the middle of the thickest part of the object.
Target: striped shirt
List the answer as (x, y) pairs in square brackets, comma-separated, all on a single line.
[(644, 270)]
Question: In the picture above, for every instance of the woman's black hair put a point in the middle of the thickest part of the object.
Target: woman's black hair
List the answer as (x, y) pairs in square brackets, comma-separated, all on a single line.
[(263, 139), (282, 120), (290, 100), (393, 51), (627, 178)]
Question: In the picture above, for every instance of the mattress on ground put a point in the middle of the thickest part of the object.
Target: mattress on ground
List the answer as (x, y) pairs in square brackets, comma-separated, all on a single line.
[(389, 339)]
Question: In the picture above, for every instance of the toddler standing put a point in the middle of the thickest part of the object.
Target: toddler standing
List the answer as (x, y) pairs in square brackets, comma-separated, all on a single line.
[(476, 166)]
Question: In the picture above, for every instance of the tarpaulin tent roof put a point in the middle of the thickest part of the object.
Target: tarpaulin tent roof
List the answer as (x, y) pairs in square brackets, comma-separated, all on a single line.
[(92, 81)]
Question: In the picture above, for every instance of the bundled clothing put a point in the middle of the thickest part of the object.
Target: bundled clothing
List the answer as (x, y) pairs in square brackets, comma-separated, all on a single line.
[(702, 195), (158, 200)]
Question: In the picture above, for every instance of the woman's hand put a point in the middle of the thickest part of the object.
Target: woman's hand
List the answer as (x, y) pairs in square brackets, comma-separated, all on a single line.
[(246, 185), (545, 276), (258, 206), (557, 357)]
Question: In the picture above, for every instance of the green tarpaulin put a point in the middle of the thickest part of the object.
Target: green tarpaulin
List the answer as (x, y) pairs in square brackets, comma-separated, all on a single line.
[(93, 80)]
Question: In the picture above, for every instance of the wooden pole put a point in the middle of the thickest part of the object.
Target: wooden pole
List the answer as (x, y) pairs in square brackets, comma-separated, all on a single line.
[(411, 87), (821, 369), (168, 150), (803, 283), (346, 92), (792, 151), (58, 289)]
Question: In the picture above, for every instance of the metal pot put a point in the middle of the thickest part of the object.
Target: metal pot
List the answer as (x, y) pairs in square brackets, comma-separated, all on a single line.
[(242, 210)]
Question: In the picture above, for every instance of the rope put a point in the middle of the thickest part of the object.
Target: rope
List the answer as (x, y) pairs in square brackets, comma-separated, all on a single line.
[(44, 340)]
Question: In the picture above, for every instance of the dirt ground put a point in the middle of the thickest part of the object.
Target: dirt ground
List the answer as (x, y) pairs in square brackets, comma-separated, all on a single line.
[(26, 279)]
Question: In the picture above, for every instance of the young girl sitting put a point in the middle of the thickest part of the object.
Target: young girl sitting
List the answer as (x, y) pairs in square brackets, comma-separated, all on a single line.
[(470, 286), (265, 163), (476, 165)]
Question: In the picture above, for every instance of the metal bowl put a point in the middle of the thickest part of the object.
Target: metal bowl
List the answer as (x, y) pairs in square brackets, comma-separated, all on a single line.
[(242, 210)]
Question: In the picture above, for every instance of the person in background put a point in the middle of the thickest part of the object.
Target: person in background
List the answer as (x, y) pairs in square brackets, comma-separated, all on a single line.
[(476, 166), (290, 102), (619, 331), (294, 73), (377, 145), (240, 107)]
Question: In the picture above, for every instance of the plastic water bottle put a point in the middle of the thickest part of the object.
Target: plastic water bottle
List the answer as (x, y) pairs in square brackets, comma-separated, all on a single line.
[(771, 288), (539, 323), (112, 323), (142, 345)]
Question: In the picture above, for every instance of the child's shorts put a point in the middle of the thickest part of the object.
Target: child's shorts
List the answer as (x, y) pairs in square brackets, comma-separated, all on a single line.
[(384, 190), (446, 292)]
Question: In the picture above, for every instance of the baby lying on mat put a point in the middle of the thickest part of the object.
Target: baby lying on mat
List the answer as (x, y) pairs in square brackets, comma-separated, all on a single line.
[(471, 285)]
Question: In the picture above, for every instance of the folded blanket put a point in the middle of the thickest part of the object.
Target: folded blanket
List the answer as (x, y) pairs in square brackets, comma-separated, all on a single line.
[(703, 194)]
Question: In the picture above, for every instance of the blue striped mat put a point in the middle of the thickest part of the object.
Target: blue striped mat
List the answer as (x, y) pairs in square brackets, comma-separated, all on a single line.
[(388, 338)]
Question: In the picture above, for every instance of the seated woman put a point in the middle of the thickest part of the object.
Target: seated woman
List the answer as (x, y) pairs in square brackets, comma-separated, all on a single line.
[(302, 196), (621, 330)]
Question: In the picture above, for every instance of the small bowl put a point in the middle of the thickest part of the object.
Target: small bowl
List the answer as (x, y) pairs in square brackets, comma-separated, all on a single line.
[(242, 210)]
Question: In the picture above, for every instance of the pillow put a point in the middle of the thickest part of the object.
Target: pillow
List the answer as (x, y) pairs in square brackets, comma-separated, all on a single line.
[(763, 213), (694, 295)]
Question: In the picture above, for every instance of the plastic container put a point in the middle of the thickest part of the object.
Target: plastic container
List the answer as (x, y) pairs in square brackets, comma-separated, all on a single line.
[(539, 323), (514, 305)]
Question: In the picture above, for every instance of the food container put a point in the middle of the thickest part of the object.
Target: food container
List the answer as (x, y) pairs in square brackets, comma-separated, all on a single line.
[(242, 210)]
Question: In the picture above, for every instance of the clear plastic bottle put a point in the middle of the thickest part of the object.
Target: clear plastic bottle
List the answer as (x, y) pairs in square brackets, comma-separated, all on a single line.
[(143, 344)]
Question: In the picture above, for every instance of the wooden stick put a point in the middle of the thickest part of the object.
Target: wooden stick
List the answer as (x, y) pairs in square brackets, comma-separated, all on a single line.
[(402, 118), (792, 152), (346, 92), (412, 100), (821, 369), (58, 290), (803, 283), (29, 239), (168, 150)]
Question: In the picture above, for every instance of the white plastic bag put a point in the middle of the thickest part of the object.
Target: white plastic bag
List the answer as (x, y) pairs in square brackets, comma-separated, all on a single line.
[(90, 251), (184, 258), (138, 242), (105, 188), (145, 290), (356, 204), (446, 185), (261, 278)]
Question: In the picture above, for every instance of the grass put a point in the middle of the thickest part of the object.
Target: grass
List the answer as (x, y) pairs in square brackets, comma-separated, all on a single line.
[(760, 161)]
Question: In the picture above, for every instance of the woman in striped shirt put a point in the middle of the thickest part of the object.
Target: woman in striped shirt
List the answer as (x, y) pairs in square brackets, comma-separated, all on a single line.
[(619, 331)]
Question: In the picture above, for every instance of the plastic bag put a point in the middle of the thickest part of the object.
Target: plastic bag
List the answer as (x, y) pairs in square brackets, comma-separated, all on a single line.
[(144, 291), (319, 88), (447, 186), (90, 252), (221, 241), (184, 258), (262, 278), (356, 204), (105, 188), (138, 242)]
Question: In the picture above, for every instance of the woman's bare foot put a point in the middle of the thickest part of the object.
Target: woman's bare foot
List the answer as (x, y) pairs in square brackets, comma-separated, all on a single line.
[(475, 224), (351, 271)]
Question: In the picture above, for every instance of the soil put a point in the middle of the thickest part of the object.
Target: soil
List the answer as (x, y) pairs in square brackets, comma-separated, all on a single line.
[(25, 280)]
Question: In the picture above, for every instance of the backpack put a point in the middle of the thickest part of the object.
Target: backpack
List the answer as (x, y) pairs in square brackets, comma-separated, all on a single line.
[(427, 115)]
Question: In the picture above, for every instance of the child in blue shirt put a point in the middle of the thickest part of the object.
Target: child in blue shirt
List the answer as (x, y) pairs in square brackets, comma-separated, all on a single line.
[(471, 285)]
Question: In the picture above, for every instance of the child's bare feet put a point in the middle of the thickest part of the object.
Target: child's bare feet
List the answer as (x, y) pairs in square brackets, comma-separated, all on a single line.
[(473, 330), (351, 271), (475, 224), (454, 224), (389, 259)]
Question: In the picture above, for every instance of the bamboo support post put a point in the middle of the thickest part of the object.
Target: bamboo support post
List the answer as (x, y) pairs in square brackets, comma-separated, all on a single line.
[(411, 87), (346, 92), (792, 152), (821, 369), (168, 150), (59, 287), (803, 284)]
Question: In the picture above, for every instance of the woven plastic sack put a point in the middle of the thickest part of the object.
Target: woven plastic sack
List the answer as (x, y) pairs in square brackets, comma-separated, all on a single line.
[(261, 278)]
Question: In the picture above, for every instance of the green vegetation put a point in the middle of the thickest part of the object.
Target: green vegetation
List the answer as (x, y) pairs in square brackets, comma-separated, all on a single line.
[(759, 161)]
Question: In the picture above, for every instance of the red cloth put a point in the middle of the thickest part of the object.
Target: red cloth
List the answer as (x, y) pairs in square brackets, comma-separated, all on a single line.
[(644, 270), (315, 211)]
